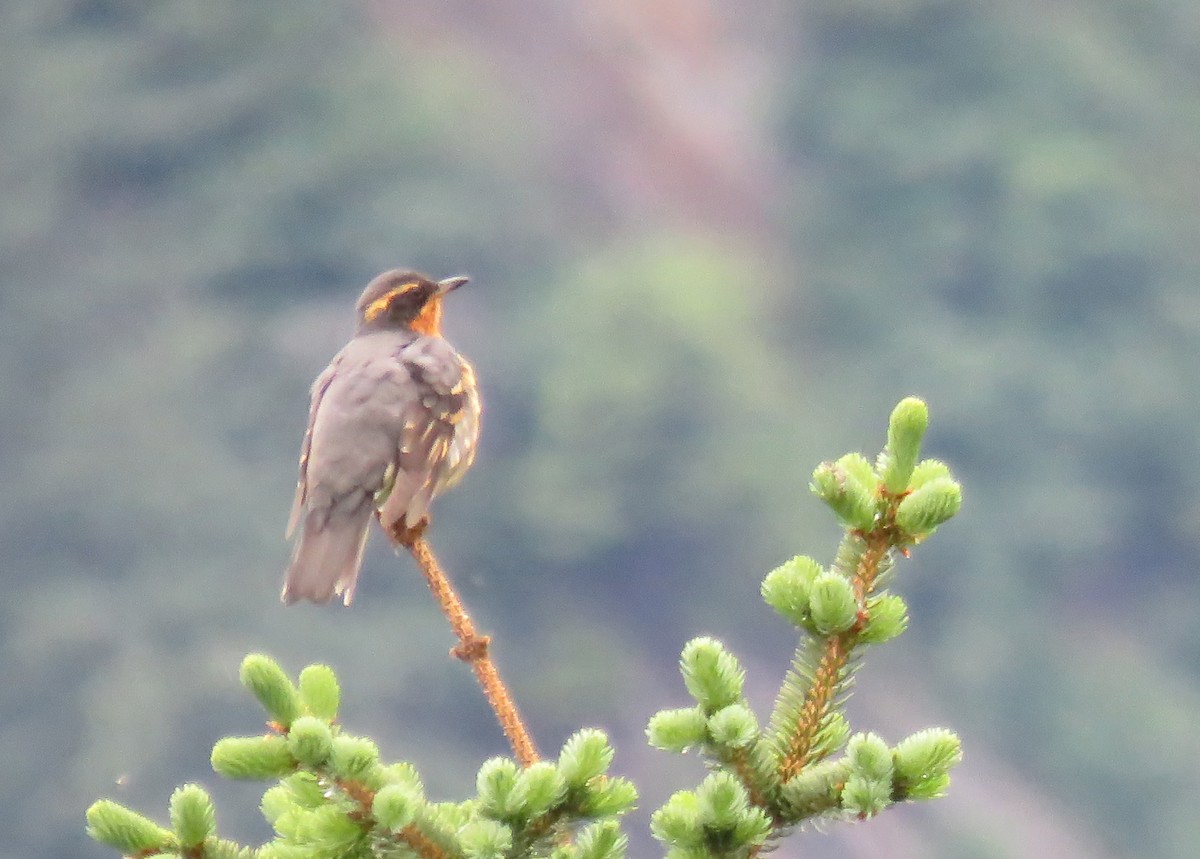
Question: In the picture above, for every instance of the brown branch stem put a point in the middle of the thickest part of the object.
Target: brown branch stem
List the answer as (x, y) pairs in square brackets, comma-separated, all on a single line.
[(835, 659), (472, 648), (740, 762), (817, 702), (879, 543), (411, 835)]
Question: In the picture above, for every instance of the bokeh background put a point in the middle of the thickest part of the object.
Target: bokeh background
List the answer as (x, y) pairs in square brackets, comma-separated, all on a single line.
[(711, 245)]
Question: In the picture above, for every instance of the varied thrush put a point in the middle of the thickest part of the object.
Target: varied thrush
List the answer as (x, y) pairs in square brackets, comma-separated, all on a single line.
[(394, 420)]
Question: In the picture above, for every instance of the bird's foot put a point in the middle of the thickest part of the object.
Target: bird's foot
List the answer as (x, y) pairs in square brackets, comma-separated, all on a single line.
[(408, 535)]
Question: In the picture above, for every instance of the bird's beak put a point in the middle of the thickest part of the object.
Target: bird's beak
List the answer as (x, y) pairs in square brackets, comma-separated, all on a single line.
[(450, 284)]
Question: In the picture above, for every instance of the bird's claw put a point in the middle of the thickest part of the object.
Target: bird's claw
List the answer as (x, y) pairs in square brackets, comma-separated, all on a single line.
[(408, 535)]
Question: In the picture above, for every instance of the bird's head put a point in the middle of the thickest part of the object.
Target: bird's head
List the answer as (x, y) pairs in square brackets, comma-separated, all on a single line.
[(405, 299)]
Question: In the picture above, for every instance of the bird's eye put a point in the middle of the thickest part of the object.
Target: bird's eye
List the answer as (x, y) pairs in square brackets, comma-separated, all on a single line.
[(380, 305)]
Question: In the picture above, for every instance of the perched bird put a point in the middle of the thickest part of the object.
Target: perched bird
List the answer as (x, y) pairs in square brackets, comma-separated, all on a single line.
[(394, 420)]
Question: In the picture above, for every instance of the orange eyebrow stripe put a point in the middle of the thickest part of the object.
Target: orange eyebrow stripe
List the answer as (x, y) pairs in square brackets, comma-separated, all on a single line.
[(380, 304)]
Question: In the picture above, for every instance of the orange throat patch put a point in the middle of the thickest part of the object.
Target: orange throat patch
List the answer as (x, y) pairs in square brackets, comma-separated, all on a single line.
[(429, 320)]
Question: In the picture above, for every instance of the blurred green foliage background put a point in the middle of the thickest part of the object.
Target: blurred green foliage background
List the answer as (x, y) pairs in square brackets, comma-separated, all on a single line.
[(711, 244)]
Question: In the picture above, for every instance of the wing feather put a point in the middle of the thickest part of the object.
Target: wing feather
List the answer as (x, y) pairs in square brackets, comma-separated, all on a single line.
[(439, 429), (319, 387)]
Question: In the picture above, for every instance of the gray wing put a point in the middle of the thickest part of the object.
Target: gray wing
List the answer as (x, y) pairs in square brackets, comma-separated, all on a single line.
[(438, 430), (348, 450), (332, 516), (319, 387)]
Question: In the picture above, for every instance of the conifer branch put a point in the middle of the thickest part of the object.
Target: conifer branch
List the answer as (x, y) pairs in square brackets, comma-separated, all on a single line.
[(821, 696), (421, 844), (768, 781), (743, 767), (835, 667)]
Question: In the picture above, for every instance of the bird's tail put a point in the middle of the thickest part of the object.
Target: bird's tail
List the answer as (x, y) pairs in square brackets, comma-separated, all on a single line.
[(327, 557)]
